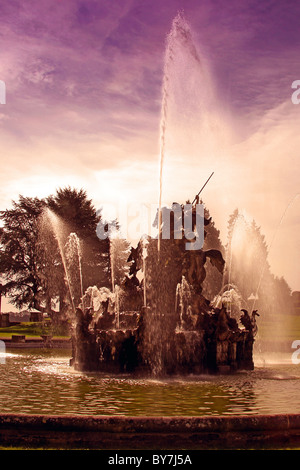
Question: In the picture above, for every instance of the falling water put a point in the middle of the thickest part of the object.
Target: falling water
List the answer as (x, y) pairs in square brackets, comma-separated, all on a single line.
[(144, 256), (112, 264), (117, 306), (234, 235), (115, 287), (230, 296), (183, 299), (56, 228)]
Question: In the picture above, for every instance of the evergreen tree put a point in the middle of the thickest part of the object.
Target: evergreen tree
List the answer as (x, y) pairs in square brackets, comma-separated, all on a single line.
[(79, 216), (19, 261)]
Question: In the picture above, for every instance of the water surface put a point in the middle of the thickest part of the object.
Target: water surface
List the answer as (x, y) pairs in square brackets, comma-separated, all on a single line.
[(42, 382)]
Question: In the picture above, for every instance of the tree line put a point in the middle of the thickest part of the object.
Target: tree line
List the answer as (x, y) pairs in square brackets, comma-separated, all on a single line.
[(33, 270)]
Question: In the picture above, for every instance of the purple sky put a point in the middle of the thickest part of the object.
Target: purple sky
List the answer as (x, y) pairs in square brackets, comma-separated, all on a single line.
[(84, 81)]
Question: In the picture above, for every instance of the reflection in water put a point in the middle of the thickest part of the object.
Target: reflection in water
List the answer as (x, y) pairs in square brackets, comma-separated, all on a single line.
[(42, 382)]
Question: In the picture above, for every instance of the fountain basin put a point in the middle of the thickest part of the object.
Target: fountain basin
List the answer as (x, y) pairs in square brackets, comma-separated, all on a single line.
[(119, 432)]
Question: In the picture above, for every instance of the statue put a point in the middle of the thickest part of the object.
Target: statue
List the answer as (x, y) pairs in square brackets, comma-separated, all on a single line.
[(176, 330), (249, 322)]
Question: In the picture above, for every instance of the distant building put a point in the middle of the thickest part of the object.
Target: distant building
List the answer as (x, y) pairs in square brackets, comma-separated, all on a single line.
[(36, 316), (4, 320), (19, 317), (13, 318), (296, 302)]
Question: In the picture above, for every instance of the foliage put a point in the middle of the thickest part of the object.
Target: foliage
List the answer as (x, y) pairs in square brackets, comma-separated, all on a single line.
[(79, 216), (19, 263), (31, 267)]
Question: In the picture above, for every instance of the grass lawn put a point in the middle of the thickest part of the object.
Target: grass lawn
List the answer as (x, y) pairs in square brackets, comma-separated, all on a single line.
[(279, 327), (30, 329)]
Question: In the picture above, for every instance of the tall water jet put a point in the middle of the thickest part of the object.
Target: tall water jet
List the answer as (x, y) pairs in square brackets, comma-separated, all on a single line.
[(120, 268), (112, 264), (115, 287), (73, 259), (144, 257), (56, 226), (178, 38), (163, 123), (180, 53), (117, 306), (192, 131)]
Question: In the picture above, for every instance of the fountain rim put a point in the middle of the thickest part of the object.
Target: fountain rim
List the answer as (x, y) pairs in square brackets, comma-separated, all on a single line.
[(139, 432)]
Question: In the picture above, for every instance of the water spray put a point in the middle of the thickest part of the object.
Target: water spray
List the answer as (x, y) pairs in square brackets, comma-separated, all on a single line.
[(53, 218), (272, 241)]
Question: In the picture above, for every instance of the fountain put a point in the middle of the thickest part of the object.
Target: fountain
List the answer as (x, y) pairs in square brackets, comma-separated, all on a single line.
[(176, 330), (167, 318), (173, 327)]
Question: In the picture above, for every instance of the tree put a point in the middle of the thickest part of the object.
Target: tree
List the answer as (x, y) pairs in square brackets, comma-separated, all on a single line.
[(79, 216), (76, 210), (36, 243), (19, 262)]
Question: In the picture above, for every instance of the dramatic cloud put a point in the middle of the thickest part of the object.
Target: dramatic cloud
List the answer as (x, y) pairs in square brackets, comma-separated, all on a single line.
[(84, 88)]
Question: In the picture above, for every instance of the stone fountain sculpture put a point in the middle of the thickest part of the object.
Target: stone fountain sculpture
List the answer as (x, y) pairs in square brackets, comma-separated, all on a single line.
[(177, 331)]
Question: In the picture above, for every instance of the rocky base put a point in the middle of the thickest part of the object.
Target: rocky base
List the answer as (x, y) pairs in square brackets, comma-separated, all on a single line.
[(182, 352)]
